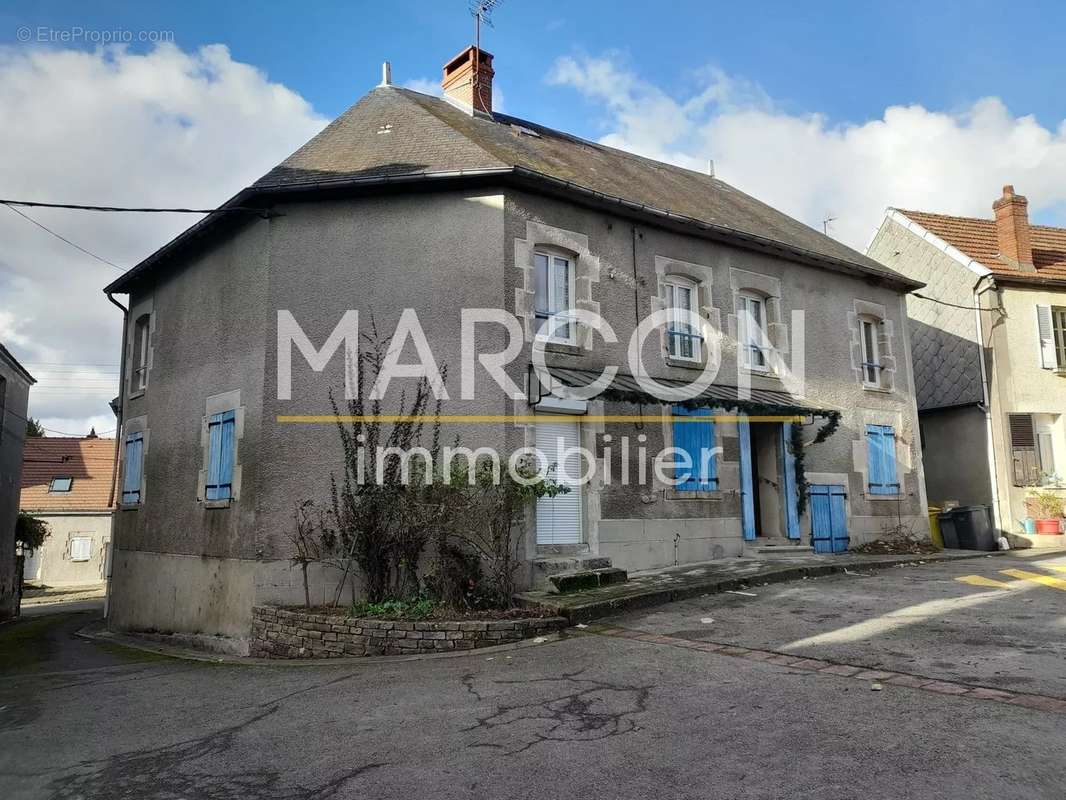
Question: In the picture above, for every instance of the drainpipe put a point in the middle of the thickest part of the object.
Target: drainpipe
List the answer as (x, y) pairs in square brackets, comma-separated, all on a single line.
[(991, 450), (118, 440)]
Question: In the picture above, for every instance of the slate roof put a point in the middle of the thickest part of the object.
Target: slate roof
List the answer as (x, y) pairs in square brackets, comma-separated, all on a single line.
[(89, 462), (5, 354), (394, 134), (976, 238)]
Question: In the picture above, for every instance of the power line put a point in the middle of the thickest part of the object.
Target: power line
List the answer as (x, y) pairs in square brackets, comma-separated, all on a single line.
[(946, 303), (58, 236)]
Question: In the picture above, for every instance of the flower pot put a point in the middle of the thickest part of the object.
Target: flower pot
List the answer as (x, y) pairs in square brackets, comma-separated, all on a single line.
[(1048, 527)]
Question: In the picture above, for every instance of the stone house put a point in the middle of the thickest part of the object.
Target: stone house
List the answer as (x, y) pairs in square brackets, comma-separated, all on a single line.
[(437, 205), (67, 482), (15, 383), (988, 338)]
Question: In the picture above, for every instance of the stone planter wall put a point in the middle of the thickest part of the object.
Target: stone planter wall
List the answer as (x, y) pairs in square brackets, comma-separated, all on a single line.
[(281, 633)]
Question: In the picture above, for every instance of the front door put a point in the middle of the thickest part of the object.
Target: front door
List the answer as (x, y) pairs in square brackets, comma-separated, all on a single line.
[(829, 525), (559, 517), (768, 489)]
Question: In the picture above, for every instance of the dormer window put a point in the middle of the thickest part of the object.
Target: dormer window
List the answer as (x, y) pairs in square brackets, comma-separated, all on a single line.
[(60, 484), (554, 292), (683, 340)]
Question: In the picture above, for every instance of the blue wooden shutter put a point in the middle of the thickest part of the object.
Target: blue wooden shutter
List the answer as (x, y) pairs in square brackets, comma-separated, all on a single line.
[(220, 432), (747, 489), (821, 520), (696, 439), (131, 482), (881, 459), (788, 472), (888, 451)]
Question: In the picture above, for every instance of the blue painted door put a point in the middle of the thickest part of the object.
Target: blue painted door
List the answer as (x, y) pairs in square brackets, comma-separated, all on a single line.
[(829, 529), (747, 490), (788, 482)]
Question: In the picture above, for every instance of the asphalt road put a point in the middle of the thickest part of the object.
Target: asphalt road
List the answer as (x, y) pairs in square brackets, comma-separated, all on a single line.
[(590, 716)]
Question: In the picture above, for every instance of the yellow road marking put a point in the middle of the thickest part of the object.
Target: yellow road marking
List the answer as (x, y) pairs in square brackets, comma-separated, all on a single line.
[(979, 580), (1032, 577), (1056, 567)]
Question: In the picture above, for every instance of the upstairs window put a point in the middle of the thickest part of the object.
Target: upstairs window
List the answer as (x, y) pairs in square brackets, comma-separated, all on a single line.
[(134, 465), (141, 333), (751, 336), (554, 292), (221, 429), (683, 341), (61, 484), (869, 329)]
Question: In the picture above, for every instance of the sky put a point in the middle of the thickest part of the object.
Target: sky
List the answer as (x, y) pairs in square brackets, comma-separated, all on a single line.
[(824, 110)]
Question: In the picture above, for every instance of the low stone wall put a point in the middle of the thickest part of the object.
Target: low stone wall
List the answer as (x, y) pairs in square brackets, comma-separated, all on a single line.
[(281, 633)]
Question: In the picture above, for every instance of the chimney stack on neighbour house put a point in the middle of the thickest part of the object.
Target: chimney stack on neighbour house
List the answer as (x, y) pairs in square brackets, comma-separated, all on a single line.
[(1012, 229), (468, 79)]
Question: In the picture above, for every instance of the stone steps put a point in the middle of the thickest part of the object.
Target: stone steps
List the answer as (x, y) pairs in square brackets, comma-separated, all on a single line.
[(583, 580)]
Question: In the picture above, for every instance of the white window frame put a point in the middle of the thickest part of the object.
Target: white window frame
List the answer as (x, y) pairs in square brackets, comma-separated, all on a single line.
[(553, 307), (140, 349), (673, 342), (52, 483), (745, 341), (75, 555), (871, 358)]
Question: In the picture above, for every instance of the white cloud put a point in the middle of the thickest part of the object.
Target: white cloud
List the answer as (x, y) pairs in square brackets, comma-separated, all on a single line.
[(165, 128), (807, 166)]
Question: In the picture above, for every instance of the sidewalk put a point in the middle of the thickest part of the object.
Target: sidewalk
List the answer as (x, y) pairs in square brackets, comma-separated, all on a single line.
[(670, 584), (63, 594)]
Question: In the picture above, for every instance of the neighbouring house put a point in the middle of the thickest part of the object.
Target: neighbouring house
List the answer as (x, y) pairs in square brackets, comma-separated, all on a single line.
[(67, 483), (409, 201), (15, 383), (988, 338)]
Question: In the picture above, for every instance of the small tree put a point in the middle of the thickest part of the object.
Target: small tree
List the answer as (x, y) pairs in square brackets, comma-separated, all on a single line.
[(486, 517), (31, 532), (34, 429), (381, 523), (305, 542)]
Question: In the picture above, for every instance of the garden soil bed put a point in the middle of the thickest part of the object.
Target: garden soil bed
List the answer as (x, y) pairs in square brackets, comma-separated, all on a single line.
[(300, 633)]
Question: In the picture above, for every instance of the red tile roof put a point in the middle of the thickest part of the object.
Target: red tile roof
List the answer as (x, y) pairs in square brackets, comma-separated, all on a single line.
[(89, 462), (977, 239)]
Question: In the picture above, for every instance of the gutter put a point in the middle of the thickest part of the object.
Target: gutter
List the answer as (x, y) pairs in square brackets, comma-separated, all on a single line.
[(118, 440), (990, 449), (521, 176)]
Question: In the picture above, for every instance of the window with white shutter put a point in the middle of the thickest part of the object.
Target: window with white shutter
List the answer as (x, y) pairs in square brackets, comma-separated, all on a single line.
[(559, 517), (1045, 332), (1024, 453), (81, 548)]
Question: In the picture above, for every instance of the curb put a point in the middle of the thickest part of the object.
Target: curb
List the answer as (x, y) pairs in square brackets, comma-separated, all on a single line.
[(653, 597), (135, 642)]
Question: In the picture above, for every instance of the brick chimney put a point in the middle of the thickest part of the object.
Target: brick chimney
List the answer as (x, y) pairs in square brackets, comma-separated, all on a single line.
[(468, 79), (1012, 229)]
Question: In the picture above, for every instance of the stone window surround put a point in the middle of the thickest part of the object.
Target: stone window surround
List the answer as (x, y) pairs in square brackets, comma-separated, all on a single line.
[(586, 268), (703, 277), (742, 281), (865, 309), (217, 404), (134, 425), (146, 306), (860, 447)]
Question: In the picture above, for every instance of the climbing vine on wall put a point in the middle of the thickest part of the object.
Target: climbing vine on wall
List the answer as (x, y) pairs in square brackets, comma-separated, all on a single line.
[(799, 452)]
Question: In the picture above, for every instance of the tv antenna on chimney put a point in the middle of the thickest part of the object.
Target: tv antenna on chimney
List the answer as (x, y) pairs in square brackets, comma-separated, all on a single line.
[(481, 11)]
